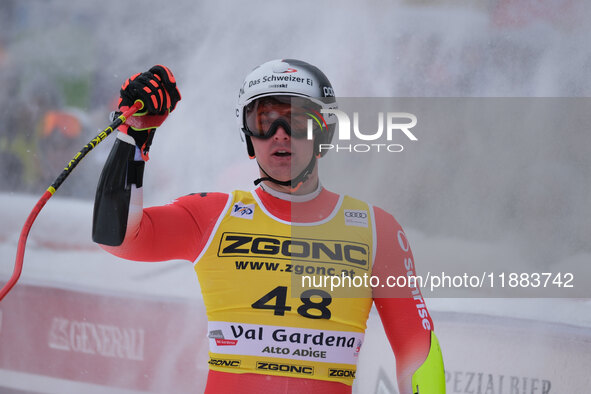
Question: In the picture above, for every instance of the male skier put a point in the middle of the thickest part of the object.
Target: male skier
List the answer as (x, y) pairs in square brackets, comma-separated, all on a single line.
[(265, 334)]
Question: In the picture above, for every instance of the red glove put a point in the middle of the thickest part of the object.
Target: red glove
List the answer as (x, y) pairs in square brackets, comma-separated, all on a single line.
[(157, 91)]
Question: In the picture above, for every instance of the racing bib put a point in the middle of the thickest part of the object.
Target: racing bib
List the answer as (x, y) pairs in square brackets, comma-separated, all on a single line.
[(270, 295)]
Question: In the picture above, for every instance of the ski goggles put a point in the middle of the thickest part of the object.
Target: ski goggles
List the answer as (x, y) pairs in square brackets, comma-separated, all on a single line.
[(262, 116)]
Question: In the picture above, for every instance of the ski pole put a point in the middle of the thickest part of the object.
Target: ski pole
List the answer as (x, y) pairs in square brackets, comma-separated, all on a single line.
[(20, 252)]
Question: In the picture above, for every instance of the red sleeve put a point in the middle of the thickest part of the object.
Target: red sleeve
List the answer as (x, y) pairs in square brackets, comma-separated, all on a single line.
[(176, 231), (405, 318)]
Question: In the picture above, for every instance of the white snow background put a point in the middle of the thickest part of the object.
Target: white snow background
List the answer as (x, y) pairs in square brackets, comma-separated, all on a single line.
[(535, 214)]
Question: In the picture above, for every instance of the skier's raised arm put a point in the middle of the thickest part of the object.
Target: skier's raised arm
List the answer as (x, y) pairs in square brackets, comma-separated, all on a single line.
[(120, 223)]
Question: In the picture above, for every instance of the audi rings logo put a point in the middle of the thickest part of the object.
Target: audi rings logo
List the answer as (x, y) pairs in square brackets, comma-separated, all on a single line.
[(356, 217), (356, 214)]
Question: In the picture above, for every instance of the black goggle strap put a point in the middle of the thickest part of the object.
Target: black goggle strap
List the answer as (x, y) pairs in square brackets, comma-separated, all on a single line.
[(249, 147)]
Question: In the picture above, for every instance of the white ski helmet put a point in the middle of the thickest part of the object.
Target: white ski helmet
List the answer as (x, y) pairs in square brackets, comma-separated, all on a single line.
[(288, 77)]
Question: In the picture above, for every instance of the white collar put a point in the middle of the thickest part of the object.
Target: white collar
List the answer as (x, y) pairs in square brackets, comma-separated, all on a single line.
[(293, 197)]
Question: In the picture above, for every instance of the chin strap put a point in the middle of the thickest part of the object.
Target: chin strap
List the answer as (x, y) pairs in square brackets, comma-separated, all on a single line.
[(294, 183)]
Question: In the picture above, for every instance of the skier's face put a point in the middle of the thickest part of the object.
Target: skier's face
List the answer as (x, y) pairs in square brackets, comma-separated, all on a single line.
[(281, 156)]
